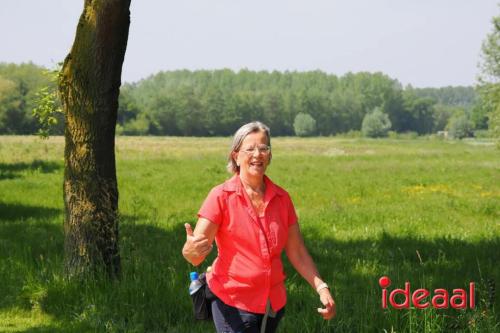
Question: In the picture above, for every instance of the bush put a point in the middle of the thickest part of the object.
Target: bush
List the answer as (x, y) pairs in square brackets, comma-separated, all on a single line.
[(352, 134), (138, 126), (460, 127), (392, 134), (119, 129), (482, 134), (409, 135), (304, 125), (376, 124)]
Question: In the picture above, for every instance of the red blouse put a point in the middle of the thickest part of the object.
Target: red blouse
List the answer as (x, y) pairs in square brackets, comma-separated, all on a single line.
[(248, 269)]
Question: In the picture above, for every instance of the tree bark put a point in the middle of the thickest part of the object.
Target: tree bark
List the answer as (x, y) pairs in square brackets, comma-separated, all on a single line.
[(89, 86)]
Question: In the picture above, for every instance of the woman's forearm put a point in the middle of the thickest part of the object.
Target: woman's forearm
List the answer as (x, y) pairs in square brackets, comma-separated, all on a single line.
[(304, 264)]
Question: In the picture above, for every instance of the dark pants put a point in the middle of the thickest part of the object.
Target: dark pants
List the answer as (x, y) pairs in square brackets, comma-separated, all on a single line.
[(228, 319)]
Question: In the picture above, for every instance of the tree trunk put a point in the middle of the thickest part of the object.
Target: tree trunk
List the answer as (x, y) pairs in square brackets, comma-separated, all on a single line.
[(89, 86)]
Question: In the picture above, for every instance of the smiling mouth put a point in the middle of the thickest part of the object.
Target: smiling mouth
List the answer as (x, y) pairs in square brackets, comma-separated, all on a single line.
[(257, 164)]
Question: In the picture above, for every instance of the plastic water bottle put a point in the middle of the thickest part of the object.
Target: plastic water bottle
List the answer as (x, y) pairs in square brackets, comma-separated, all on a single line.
[(195, 283)]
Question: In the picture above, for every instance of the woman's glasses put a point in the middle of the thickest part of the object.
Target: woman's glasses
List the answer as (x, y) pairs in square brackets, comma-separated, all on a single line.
[(262, 149)]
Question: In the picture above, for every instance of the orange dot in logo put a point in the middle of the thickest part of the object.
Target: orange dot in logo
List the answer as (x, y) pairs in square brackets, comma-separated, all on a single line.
[(384, 282)]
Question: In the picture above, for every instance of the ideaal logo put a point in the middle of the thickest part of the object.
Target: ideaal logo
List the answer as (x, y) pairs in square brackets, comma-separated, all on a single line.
[(440, 298)]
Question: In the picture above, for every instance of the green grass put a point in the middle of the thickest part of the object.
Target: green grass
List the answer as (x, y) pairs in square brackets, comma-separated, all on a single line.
[(423, 211)]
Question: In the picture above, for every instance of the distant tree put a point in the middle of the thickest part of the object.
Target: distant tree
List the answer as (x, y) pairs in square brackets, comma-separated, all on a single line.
[(419, 113), (376, 124), (393, 105), (127, 107), (89, 86), (18, 87), (314, 102), (489, 81), (189, 113), (460, 127), (162, 113), (346, 111), (480, 112), (137, 126), (272, 109), (304, 125), (214, 105), (459, 96), (443, 114), (12, 116)]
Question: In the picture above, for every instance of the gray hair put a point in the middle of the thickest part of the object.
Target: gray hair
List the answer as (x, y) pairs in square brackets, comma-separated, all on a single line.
[(239, 136)]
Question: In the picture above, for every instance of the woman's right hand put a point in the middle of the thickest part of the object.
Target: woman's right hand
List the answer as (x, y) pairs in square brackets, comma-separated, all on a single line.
[(197, 247)]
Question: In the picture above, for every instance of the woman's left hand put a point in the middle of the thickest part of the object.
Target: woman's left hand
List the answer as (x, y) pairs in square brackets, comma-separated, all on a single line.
[(326, 298)]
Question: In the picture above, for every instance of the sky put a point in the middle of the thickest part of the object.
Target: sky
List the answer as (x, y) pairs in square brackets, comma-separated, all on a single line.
[(425, 43)]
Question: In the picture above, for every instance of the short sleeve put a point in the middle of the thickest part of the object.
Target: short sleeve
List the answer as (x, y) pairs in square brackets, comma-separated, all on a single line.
[(292, 215), (211, 209)]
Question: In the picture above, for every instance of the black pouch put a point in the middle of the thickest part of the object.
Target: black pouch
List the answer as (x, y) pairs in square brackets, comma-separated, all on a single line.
[(202, 300)]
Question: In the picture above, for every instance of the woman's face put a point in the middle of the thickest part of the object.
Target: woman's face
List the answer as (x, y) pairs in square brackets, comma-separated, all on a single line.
[(254, 155)]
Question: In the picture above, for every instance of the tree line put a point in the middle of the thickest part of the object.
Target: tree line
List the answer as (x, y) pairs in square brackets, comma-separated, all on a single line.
[(217, 102)]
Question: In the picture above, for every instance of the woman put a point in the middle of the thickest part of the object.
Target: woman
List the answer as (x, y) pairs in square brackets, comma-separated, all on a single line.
[(252, 220)]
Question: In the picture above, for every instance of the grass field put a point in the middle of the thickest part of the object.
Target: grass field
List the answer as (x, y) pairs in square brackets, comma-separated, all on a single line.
[(424, 211)]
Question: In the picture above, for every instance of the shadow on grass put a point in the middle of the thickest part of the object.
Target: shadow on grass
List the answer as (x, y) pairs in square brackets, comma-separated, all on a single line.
[(152, 293), (16, 170), (11, 212)]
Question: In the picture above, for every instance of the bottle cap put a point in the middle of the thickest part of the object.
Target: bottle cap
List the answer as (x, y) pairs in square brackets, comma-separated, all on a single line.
[(193, 276)]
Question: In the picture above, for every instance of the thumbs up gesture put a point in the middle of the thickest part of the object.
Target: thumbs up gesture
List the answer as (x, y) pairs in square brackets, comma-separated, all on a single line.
[(197, 247), (189, 230)]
